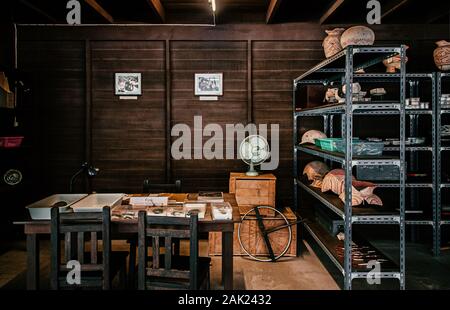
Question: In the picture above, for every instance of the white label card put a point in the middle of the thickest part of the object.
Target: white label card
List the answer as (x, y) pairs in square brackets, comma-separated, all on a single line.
[(209, 98), (149, 201)]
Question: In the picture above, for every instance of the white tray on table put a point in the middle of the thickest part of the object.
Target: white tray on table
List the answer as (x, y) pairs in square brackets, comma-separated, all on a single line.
[(41, 210), (96, 202)]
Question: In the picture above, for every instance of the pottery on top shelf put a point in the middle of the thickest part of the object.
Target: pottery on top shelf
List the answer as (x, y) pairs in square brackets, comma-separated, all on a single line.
[(357, 35), (442, 55), (394, 63), (332, 43)]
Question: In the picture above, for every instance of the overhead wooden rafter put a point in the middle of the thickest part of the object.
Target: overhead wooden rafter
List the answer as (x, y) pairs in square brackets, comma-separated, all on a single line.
[(158, 8), (393, 7), (100, 10), (437, 14), (38, 10), (331, 10), (274, 5)]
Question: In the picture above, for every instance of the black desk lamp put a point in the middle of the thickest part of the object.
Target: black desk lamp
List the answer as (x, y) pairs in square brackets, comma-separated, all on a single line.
[(85, 168)]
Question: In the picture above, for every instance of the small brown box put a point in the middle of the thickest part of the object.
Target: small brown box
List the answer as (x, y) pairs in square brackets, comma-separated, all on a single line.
[(254, 191), (252, 238)]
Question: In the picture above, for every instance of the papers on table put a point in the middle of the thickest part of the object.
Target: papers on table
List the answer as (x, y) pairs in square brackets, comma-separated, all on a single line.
[(149, 201)]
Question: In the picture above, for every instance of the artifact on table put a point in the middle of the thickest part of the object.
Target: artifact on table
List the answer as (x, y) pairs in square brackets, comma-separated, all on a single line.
[(442, 55), (357, 35), (222, 211), (312, 135), (332, 43), (315, 171), (210, 196), (394, 63), (199, 208), (150, 201), (176, 212)]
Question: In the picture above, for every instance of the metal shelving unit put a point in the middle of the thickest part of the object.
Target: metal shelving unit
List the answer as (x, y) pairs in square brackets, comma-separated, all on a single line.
[(342, 67), (440, 186)]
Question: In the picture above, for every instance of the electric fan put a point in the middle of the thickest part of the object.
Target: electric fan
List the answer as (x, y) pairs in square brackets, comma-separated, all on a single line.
[(254, 150)]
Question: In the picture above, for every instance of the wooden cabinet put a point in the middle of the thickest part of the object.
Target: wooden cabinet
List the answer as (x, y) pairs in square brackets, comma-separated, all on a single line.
[(252, 238), (254, 191), (251, 192)]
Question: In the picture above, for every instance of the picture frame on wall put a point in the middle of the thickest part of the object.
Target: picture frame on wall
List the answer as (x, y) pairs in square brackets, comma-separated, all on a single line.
[(128, 84), (208, 84)]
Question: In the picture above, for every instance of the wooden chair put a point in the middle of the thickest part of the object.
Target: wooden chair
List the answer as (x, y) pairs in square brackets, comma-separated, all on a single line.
[(169, 271), (97, 268), (151, 188)]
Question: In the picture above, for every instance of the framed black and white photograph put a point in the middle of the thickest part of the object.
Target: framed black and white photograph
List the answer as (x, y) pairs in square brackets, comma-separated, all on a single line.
[(128, 84), (208, 84)]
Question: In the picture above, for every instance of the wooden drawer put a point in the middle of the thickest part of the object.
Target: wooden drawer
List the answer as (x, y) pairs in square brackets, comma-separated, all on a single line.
[(255, 185)]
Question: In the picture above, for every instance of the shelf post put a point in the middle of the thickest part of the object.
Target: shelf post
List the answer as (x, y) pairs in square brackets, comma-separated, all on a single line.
[(348, 136), (438, 187), (402, 163)]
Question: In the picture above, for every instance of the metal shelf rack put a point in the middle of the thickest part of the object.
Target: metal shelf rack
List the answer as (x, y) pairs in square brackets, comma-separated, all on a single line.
[(440, 186), (343, 68)]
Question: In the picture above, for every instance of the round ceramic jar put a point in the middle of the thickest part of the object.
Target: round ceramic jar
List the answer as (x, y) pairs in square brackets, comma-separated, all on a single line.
[(332, 43), (357, 35), (442, 55)]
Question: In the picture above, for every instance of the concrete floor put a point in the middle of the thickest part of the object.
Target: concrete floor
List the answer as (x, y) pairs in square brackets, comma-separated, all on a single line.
[(302, 273), (311, 271)]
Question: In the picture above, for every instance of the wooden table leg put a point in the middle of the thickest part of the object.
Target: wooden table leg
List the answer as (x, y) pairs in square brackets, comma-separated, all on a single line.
[(132, 264), (227, 260), (32, 262)]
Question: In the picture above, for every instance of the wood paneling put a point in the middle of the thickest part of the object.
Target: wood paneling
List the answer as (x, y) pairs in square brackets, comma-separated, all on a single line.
[(58, 76), (188, 58), (128, 136), (275, 65)]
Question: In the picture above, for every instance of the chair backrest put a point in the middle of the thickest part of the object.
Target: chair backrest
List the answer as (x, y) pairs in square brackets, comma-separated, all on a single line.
[(152, 188), (167, 228), (74, 227)]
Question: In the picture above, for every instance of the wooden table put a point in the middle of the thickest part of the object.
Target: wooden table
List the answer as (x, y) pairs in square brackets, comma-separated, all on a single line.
[(121, 230)]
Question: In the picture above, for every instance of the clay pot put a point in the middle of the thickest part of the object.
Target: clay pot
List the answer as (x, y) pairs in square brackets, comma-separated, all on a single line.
[(442, 55), (394, 63), (332, 95), (332, 43), (357, 35)]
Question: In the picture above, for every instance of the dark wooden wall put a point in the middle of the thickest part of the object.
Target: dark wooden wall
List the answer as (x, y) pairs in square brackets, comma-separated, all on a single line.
[(80, 118), (7, 45)]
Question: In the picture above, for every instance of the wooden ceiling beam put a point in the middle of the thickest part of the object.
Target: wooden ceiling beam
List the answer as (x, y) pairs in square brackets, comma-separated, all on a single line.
[(274, 5), (393, 7), (38, 10), (158, 8), (331, 10), (438, 15), (100, 10)]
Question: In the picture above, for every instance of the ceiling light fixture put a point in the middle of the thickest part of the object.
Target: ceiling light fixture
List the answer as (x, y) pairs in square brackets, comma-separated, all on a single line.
[(212, 3)]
